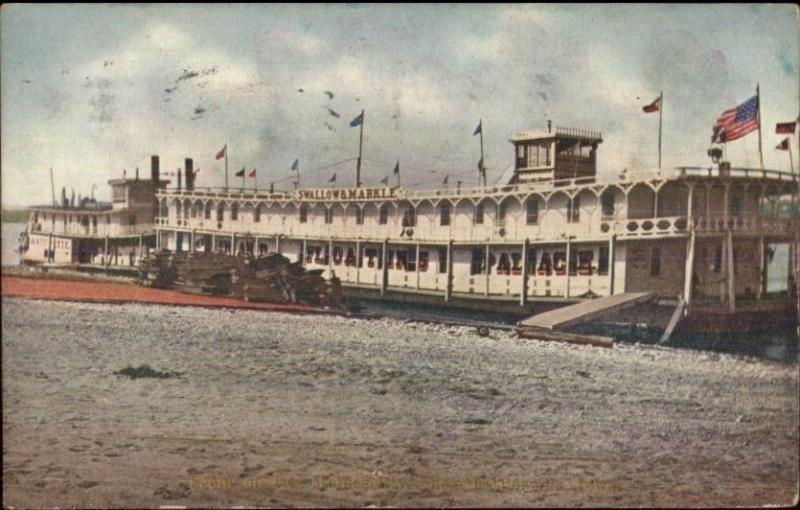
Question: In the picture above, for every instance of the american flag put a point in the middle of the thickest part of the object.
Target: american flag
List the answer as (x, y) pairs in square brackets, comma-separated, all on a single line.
[(736, 122)]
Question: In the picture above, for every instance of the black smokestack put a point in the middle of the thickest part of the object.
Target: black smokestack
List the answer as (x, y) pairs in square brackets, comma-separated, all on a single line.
[(137, 173), (64, 202), (154, 171), (179, 179), (189, 166)]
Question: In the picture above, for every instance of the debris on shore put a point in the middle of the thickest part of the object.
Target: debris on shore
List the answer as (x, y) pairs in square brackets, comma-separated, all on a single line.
[(268, 279)]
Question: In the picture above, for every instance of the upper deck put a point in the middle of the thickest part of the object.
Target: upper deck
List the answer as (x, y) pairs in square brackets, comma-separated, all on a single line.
[(648, 203)]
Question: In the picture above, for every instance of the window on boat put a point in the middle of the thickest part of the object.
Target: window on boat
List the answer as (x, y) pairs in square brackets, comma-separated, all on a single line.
[(602, 264), (303, 213), (478, 264), (328, 216), (257, 214), (383, 215), (359, 216), (479, 214), (607, 202), (655, 261), (442, 260), (736, 205), (444, 214), (409, 217), (108, 219), (132, 219), (532, 211), (235, 211), (208, 211), (501, 211), (574, 210), (220, 212), (718, 259)]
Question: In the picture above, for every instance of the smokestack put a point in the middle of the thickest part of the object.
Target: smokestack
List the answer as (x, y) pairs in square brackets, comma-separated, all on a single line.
[(179, 179), (137, 173), (189, 165), (64, 197), (154, 171), (549, 124)]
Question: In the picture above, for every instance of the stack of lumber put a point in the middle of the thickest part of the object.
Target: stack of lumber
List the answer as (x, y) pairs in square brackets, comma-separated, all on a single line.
[(271, 278)]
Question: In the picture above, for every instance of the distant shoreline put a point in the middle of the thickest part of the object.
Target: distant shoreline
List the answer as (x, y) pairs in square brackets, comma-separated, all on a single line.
[(14, 215)]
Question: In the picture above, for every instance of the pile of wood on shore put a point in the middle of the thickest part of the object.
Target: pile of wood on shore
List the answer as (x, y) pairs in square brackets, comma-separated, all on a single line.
[(267, 279)]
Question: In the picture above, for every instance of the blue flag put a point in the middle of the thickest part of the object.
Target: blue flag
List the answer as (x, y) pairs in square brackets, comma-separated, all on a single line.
[(296, 164), (478, 129), (358, 120)]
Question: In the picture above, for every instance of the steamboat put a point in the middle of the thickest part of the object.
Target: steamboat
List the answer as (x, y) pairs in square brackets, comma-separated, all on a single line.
[(552, 233)]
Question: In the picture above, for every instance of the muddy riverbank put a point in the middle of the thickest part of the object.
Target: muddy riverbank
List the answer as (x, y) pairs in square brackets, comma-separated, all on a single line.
[(273, 409)]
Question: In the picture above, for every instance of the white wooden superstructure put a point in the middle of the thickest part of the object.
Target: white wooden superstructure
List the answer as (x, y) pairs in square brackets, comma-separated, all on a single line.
[(555, 233)]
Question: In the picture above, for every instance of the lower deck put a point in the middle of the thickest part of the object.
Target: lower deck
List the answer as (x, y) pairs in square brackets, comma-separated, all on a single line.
[(724, 270)]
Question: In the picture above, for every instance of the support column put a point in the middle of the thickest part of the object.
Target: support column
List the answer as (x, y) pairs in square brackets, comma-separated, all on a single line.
[(688, 278), (191, 241), (358, 261), (51, 251), (568, 259), (488, 268), (731, 282), (417, 266), (384, 266), (141, 243), (277, 243), (612, 255), (761, 268), (233, 244), (449, 287), (330, 257), (523, 297), (106, 254)]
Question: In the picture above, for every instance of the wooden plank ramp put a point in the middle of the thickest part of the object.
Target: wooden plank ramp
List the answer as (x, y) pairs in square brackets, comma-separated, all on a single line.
[(677, 315), (585, 311)]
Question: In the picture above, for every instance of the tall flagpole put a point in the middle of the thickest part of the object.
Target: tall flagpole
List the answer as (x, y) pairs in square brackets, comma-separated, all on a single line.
[(226, 168), (660, 113), (758, 115), (360, 141), (482, 168), (52, 187)]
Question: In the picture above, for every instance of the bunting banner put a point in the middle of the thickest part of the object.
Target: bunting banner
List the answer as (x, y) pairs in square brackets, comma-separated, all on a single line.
[(221, 153), (785, 127)]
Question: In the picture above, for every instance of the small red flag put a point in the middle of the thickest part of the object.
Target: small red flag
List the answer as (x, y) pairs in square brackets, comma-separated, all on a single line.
[(783, 146), (253, 173), (221, 153), (785, 127), (653, 107)]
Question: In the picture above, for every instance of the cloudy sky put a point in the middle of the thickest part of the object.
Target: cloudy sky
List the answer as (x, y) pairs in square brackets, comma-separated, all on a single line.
[(90, 90)]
